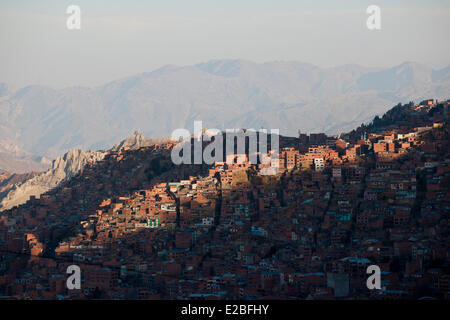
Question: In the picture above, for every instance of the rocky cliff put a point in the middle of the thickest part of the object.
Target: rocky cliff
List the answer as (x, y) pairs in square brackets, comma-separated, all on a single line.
[(62, 168), (137, 140)]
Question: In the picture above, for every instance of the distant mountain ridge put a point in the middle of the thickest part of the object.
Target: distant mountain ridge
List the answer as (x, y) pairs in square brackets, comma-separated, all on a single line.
[(15, 160), (222, 93)]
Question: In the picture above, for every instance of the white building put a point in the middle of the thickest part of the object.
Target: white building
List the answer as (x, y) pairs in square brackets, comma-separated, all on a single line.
[(319, 164)]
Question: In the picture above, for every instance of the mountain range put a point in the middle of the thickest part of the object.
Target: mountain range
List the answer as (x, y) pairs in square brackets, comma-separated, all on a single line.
[(46, 122), (14, 159)]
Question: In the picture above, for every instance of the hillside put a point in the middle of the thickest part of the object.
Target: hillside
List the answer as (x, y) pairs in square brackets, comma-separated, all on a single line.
[(139, 226), (63, 168), (18, 189)]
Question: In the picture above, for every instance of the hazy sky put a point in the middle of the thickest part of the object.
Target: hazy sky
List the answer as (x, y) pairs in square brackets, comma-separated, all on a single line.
[(123, 37)]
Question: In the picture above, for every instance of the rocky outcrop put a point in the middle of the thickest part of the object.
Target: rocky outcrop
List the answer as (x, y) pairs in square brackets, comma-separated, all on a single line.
[(8, 180), (63, 168), (4, 175), (137, 140)]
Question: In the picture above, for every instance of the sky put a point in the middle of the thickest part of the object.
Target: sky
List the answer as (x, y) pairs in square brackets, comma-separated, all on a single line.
[(119, 38)]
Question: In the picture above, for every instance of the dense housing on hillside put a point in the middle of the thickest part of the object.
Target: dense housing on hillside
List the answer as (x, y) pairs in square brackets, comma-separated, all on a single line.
[(141, 228)]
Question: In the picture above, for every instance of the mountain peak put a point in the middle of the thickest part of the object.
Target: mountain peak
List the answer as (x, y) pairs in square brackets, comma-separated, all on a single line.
[(136, 141)]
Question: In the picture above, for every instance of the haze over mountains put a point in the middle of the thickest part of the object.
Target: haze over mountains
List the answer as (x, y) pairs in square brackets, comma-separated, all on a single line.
[(14, 159), (222, 93)]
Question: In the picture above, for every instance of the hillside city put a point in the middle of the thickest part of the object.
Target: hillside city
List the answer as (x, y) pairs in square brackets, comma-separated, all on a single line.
[(140, 227)]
